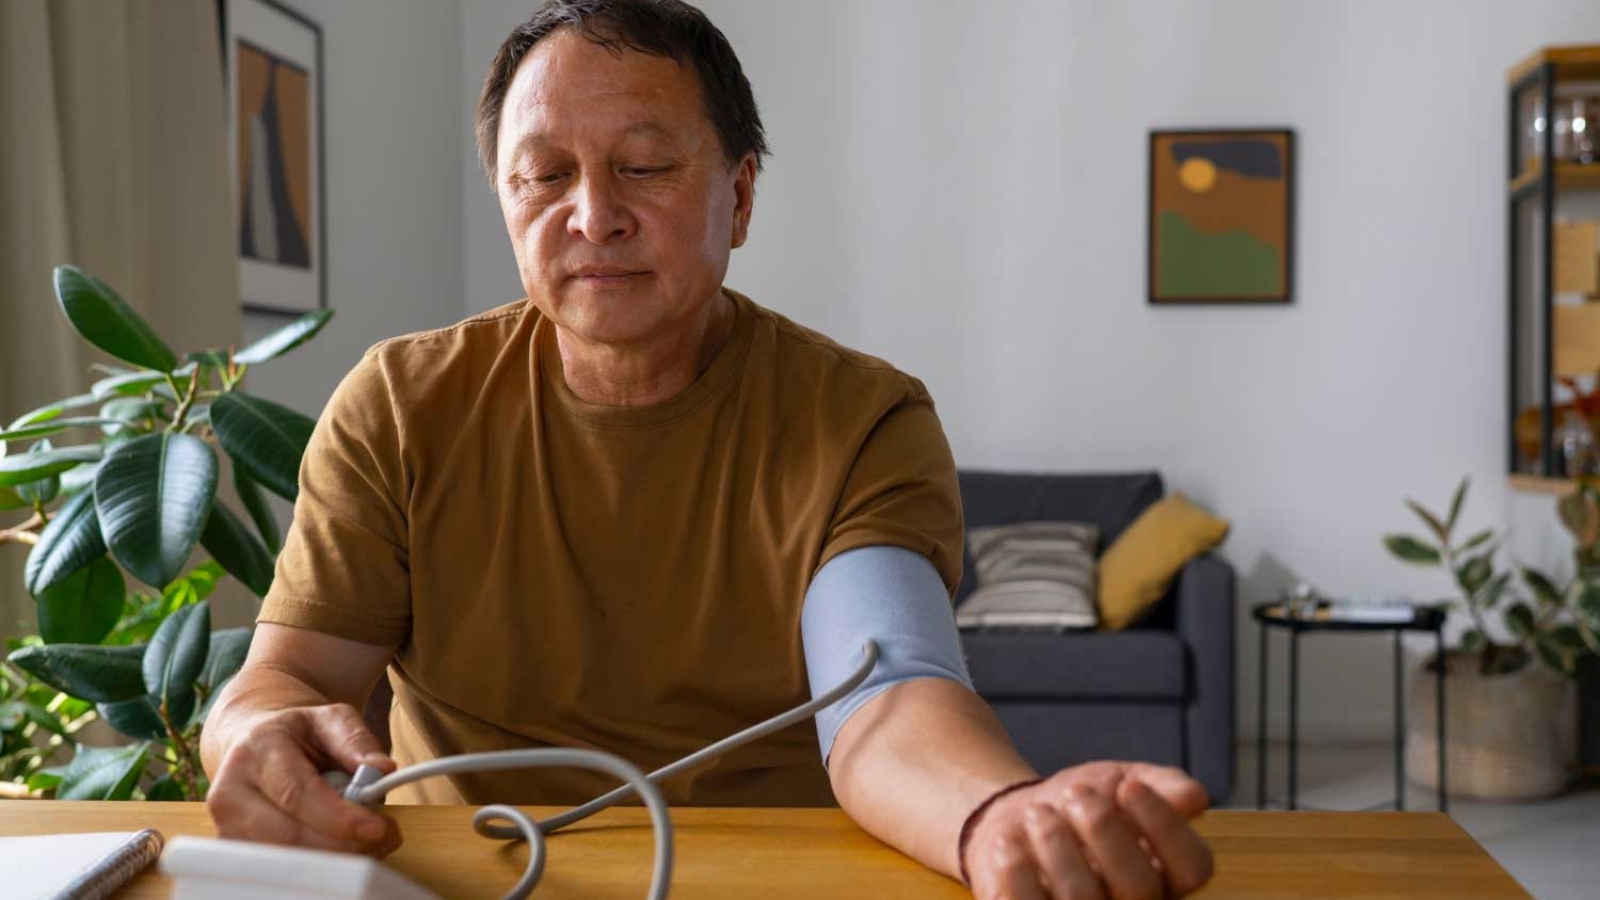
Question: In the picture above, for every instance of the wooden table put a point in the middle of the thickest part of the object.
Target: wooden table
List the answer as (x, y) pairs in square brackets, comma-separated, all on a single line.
[(776, 854)]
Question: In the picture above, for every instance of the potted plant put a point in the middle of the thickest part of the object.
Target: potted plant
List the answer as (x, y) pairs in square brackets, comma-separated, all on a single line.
[(1509, 676), (135, 497)]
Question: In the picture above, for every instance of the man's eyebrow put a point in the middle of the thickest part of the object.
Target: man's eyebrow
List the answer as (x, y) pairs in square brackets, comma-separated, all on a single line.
[(534, 140)]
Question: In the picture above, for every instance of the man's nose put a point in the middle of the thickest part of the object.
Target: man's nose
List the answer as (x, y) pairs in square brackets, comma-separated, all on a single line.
[(598, 213)]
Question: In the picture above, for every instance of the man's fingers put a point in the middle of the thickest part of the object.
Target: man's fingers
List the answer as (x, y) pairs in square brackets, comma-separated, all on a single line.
[(246, 814), (291, 783), (1125, 868), (1003, 869), (1185, 859), (1182, 793), (339, 731), (1062, 866)]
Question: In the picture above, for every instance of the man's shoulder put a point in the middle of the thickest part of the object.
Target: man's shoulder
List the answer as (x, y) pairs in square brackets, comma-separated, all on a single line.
[(442, 365), (818, 358), (490, 328)]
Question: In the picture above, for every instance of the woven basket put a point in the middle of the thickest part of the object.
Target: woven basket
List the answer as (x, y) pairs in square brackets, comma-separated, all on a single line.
[(1508, 737)]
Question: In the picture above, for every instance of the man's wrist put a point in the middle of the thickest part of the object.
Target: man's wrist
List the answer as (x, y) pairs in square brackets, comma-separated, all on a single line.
[(971, 823)]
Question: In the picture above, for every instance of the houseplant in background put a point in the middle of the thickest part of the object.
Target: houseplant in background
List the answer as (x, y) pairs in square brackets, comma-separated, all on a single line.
[(1508, 678), (134, 497)]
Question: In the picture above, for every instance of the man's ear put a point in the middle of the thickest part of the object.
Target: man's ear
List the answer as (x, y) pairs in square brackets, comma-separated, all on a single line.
[(744, 198)]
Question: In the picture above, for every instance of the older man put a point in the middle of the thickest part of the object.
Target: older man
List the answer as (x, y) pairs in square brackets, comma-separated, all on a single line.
[(638, 512)]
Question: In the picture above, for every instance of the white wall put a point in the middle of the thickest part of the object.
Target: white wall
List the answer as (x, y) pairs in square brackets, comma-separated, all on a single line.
[(959, 187), (393, 191), (393, 187)]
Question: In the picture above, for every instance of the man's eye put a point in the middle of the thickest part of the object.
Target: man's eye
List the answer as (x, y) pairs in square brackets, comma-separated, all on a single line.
[(642, 171), (549, 177)]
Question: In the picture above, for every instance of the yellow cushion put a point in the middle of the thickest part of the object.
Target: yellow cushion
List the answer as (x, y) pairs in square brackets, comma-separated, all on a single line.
[(1136, 570)]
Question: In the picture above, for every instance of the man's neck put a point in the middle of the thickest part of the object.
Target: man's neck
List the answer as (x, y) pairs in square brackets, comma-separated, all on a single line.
[(649, 372)]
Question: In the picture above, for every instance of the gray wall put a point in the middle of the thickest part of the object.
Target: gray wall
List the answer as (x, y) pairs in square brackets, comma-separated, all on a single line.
[(394, 145), (393, 190), (959, 187)]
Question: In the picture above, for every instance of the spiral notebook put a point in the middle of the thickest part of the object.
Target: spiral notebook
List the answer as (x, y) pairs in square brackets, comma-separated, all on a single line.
[(75, 866)]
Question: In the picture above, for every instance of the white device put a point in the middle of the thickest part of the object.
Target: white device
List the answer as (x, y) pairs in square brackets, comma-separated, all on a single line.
[(215, 869), (210, 868)]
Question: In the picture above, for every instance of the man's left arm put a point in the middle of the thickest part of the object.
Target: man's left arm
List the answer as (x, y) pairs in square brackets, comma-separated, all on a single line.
[(914, 751)]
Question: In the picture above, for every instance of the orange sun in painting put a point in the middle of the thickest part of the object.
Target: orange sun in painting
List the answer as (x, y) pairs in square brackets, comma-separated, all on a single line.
[(1198, 174)]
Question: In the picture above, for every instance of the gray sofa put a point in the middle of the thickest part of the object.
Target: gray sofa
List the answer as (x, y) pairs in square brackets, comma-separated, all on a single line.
[(1162, 691)]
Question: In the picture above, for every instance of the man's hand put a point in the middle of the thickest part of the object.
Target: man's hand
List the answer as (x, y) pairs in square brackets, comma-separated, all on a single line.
[(269, 786), (1102, 831)]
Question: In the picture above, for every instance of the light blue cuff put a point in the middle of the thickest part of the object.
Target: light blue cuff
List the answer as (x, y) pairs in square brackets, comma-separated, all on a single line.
[(888, 594)]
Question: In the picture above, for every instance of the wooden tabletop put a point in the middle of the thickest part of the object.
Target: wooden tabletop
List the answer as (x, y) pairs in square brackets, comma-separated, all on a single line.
[(776, 854)]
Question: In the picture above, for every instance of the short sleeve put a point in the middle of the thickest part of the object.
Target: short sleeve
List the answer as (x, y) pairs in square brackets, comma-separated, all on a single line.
[(901, 490), (344, 569)]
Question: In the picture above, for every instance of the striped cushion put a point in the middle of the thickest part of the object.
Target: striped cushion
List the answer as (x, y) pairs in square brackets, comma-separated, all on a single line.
[(1034, 575)]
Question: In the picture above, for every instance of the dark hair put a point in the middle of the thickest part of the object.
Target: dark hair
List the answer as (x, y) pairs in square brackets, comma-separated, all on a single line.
[(669, 28)]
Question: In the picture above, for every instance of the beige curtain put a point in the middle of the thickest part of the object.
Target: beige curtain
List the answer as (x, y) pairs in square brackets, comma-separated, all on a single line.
[(113, 156)]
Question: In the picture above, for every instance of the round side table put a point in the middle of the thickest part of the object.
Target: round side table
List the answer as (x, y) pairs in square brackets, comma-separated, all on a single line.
[(1273, 615)]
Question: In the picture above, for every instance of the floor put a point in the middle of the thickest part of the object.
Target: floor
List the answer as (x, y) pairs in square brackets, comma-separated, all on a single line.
[(1551, 847)]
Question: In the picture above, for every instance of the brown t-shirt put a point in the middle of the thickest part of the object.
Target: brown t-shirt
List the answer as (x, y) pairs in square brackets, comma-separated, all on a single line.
[(630, 579)]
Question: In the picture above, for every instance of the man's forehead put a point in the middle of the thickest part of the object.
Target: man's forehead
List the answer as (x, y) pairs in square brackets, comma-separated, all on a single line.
[(568, 67), (650, 129)]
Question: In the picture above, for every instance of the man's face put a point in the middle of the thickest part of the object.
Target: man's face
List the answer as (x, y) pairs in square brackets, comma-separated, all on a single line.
[(620, 202)]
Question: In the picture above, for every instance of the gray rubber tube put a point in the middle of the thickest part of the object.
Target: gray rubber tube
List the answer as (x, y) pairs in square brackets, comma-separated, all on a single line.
[(363, 789)]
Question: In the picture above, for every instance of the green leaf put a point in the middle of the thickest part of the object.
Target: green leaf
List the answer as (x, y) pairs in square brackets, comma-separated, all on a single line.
[(1456, 503), (67, 544), (263, 438), (1543, 590), (1412, 550), (1558, 659), (108, 322), (83, 607), (1588, 603), (255, 502), (53, 410), (46, 720), (199, 582), (216, 359), (10, 499), (93, 673), (177, 653), (229, 647), (43, 780), (12, 714), (165, 790), (233, 545), (101, 773), (45, 429), (139, 718), (1472, 641), (28, 467), (133, 384), (153, 495), (1567, 637), (120, 414), (1494, 590), (1437, 527), (79, 479), (38, 493), (1520, 619), (284, 339), (1475, 573)]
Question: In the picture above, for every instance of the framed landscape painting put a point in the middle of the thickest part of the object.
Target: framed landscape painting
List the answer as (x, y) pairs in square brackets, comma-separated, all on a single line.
[(1221, 216), (273, 58)]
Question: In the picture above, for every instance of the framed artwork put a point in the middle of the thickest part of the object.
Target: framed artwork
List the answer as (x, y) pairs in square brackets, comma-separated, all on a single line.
[(273, 60), (1221, 216)]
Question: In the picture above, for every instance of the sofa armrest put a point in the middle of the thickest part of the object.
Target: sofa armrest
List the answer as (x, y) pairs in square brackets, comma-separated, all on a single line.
[(1206, 619)]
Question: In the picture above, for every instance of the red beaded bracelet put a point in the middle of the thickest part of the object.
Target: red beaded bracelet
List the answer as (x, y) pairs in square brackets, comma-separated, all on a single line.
[(972, 821)]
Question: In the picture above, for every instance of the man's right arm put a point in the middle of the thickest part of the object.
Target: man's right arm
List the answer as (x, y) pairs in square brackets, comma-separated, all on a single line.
[(290, 714)]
